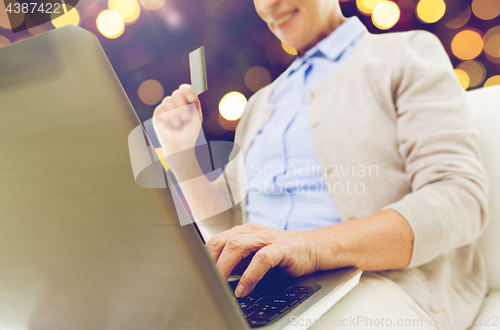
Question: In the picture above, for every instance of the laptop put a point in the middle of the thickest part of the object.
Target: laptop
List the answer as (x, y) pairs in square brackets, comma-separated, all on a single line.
[(82, 245)]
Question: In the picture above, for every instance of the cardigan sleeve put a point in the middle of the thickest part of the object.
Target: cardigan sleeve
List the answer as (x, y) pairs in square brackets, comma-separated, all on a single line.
[(438, 141)]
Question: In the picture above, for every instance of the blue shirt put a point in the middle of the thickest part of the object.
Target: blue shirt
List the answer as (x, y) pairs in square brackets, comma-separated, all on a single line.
[(286, 188)]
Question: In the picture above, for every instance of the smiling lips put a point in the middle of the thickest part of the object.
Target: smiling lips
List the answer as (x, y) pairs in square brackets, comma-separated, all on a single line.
[(282, 20)]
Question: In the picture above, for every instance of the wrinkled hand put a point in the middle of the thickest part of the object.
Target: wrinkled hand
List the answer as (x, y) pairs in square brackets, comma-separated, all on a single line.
[(294, 251)]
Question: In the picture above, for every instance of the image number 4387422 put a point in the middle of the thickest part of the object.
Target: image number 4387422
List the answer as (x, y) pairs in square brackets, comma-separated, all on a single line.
[(25, 14)]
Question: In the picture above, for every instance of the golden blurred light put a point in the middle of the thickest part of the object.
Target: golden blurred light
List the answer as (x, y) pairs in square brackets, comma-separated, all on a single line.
[(152, 4), (458, 21), (125, 37), (4, 41), (385, 15), (467, 45), (227, 125), (475, 71), (492, 42), (17, 19), (159, 152), (129, 10), (289, 49), (431, 11), (256, 78), (493, 81), (150, 92), (110, 24), (486, 9), (367, 6), (232, 105), (463, 78), (70, 16)]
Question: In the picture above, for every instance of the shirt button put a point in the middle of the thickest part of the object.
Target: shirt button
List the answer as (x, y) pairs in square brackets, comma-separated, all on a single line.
[(434, 308)]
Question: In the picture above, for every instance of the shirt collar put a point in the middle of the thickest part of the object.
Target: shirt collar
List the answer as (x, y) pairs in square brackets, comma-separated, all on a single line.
[(335, 44)]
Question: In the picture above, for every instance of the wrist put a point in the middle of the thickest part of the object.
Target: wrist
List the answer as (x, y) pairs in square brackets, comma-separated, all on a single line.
[(327, 250)]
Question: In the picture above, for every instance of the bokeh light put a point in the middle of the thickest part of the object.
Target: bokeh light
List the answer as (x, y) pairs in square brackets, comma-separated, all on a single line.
[(159, 152), (367, 6), (257, 77), (232, 105), (227, 125), (467, 45), (289, 49), (173, 19), (110, 24), (129, 10), (430, 11), (463, 78), (486, 9), (18, 19), (71, 16), (277, 55), (150, 92), (4, 41), (385, 15), (152, 4), (493, 81), (492, 42), (475, 70)]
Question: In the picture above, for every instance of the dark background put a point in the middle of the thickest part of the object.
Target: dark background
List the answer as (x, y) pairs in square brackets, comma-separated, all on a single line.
[(156, 46)]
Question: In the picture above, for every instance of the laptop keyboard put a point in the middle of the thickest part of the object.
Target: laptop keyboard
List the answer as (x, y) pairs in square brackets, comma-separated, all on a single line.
[(268, 304)]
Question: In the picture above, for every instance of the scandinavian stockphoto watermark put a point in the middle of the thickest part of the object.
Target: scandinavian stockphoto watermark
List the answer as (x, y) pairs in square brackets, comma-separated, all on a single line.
[(148, 165), (358, 321), (307, 177), (387, 322)]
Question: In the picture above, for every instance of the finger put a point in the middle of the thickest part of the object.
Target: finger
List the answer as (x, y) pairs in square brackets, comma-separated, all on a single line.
[(188, 93), (174, 119), (174, 122), (163, 108), (191, 97), (216, 244), (179, 99), (266, 258), (236, 249), (182, 109), (185, 113)]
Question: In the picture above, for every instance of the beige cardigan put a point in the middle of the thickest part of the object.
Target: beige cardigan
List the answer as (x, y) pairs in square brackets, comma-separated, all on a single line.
[(396, 112)]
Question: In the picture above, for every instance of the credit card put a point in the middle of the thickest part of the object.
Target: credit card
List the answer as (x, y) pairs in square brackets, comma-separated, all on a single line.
[(198, 70)]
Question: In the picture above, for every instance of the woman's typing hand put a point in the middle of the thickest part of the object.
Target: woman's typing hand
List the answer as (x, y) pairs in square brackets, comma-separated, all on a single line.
[(294, 251)]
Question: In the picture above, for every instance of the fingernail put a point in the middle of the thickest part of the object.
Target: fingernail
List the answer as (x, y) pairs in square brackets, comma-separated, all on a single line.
[(240, 290)]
